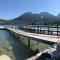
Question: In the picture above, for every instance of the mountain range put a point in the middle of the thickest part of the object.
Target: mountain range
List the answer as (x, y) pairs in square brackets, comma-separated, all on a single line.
[(34, 18)]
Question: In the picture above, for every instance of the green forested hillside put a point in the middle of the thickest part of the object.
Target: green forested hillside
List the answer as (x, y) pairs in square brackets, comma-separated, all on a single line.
[(34, 18)]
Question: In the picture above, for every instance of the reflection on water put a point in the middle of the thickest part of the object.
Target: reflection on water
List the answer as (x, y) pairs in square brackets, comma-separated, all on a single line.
[(10, 47)]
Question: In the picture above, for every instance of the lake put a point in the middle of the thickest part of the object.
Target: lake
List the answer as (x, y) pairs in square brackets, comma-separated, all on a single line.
[(10, 47)]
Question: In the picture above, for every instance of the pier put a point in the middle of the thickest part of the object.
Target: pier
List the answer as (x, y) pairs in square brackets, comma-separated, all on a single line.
[(47, 39), (37, 37)]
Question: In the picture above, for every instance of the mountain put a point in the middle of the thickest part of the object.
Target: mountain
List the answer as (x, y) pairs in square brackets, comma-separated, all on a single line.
[(3, 21), (29, 18), (34, 18)]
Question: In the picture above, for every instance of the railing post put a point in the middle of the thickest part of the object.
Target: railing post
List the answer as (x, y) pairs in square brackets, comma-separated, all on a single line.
[(48, 30), (29, 43), (29, 51), (26, 27), (57, 30), (34, 29), (40, 29)]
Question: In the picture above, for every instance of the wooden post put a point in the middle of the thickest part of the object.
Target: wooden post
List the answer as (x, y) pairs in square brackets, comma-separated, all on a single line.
[(51, 32), (26, 27), (18, 36), (40, 29), (43, 31), (34, 29), (57, 30), (28, 43), (48, 30)]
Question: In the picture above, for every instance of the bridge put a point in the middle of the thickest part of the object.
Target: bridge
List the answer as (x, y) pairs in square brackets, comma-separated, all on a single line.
[(48, 39), (38, 37)]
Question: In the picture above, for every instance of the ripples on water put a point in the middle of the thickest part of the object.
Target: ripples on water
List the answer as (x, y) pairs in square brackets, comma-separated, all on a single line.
[(10, 47)]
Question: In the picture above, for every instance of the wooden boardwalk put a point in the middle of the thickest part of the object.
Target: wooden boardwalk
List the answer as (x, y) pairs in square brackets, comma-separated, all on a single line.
[(38, 37)]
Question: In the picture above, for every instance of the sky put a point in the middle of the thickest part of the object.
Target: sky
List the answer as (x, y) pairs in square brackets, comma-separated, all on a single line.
[(10, 9)]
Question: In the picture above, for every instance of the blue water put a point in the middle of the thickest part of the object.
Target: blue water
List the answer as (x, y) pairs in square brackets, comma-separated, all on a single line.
[(10, 46)]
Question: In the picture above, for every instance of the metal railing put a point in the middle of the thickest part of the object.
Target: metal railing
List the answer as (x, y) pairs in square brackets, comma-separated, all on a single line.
[(43, 29)]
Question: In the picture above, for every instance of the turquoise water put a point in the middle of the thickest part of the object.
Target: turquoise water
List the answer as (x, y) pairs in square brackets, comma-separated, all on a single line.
[(10, 47)]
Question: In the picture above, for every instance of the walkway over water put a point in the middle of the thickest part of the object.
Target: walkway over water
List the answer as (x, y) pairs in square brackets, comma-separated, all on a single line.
[(16, 51), (38, 37), (47, 39)]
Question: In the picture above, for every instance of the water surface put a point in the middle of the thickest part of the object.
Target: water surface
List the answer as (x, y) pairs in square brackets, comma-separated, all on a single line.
[(10, 47)]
